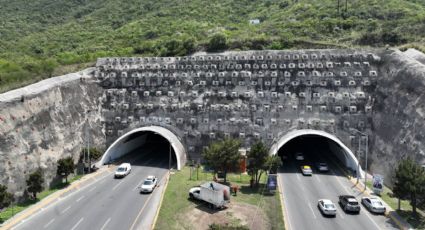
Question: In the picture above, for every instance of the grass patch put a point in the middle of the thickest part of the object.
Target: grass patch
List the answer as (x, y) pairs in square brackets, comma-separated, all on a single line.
[(12, 210), (176, 200)]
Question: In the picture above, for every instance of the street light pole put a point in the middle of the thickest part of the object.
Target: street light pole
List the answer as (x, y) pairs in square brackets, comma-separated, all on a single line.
[(366, 152)]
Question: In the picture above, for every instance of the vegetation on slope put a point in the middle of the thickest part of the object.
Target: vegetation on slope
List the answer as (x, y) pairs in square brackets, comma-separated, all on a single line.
[(38, 38)]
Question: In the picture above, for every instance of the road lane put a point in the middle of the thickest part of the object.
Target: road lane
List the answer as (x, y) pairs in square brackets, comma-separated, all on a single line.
[(107, 203), (301, 194)]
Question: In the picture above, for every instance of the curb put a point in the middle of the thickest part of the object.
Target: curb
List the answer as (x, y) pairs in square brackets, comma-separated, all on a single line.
[(24, 214), (284, 214), (160, 202)]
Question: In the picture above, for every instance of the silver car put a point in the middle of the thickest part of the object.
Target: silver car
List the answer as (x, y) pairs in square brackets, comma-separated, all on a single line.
[(374, 205), (327, 207)]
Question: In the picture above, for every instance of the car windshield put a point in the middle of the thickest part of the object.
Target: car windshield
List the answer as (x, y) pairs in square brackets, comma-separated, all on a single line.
[(353, 203), (329, 206), (147, 182), (121, 169), (323, 164)]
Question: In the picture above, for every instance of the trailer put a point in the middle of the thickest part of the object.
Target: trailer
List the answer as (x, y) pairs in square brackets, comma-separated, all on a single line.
[(215, 194)]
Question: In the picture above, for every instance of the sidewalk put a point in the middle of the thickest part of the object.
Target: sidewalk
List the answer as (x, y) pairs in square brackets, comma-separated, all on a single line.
[(54, 197)]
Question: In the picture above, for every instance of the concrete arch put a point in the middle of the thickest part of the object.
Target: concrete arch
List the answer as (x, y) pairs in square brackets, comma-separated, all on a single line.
[(114, 151), (346, 157)]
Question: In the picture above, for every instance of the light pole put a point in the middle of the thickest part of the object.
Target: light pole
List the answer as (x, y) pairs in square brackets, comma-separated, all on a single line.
[(366, 152), (88, 140)]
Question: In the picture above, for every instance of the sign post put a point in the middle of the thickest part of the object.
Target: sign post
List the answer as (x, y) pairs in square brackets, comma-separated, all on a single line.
[(272, 183)]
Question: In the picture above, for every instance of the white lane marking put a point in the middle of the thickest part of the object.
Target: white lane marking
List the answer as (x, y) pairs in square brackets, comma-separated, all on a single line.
[(340, 215), (312, 211), (78, 200), (298, 176), (66, 209), (104, 225), (76, 225), (92, 189), (50, 222), (116, 186), (370, 218), (339, 182), (318, 178)]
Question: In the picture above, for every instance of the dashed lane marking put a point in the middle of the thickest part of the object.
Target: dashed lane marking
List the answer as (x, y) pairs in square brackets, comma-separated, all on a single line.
[(76, 225), (78, 200), (50, 222), (66, 209), (312, 211), (106, 223)]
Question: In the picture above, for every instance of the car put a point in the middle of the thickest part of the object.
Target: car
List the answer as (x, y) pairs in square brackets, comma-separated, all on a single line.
[(349, 203), (299, 156), (327, 207), (194, 193), (373, 204), (123, 170), (306, 170), (149, 184), (322, 167)]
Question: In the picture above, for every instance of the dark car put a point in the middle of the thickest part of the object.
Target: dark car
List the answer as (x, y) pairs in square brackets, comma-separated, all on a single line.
[(349, 203)]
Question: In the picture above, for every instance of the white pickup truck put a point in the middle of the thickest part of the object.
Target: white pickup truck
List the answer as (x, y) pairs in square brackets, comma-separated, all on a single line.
[(215, 194)]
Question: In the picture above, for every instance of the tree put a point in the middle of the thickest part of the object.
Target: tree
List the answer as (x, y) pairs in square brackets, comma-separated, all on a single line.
[(35, 182), (409, 182), (257, 158), (223, 155), (65, 167), (272, 163), (95, 153), (217, 42), (6, 198)]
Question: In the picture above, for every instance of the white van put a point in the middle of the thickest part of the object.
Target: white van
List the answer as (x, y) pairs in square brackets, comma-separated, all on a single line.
[(123, 170)]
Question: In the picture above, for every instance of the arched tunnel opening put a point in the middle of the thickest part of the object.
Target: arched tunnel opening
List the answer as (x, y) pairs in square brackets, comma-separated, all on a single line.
[(152, 146), (313, 150)]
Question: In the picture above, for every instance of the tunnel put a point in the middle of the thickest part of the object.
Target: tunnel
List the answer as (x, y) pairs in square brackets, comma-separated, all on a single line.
[(147, 138), (317, 146)]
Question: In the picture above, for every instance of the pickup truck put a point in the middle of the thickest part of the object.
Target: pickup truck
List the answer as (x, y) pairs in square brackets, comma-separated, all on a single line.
[(215, 194)]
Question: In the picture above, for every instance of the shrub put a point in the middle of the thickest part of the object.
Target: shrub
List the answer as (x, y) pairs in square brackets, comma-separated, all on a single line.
[(218, 42)]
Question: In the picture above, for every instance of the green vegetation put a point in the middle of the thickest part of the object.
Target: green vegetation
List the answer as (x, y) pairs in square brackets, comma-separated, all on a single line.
[(13, 209), (176, 203), (35, 183), (65, 167), (223, 156), (41, 38), (6, 198)]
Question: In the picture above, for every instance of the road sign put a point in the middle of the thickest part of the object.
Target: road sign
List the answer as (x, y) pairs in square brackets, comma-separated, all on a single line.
[(377, 184), (272, 182)]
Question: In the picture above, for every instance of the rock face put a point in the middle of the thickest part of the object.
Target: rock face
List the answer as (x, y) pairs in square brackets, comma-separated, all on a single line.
[(44, 122), (205, 97)]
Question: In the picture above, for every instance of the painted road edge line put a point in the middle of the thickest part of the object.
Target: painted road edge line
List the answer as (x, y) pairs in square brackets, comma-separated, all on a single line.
[(282, 206), (160, 202)]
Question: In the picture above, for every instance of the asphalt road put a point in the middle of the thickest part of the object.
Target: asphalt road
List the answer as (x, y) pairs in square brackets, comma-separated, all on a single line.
[(301, 194), (107, 203)]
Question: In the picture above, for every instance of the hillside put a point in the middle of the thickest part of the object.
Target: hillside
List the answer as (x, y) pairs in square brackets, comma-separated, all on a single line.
[(43, 37)]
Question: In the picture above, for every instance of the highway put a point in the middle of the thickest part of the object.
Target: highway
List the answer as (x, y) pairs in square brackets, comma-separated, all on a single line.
[(108, 203), (301, 194)]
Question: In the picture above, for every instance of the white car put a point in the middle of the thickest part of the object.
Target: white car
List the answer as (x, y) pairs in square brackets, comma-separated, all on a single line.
[(327, 207), (123, 170), (322, 167), (149, 184), (306, 170), (373, 204), (299, 156)]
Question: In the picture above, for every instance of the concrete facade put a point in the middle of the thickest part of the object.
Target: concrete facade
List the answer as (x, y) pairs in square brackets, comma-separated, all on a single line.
[(205, 97)]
